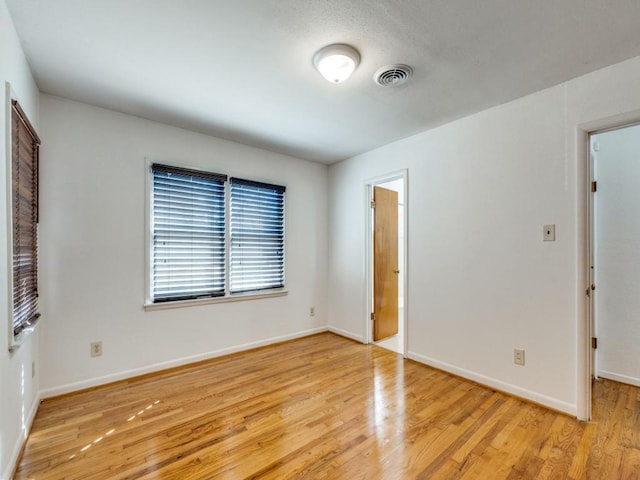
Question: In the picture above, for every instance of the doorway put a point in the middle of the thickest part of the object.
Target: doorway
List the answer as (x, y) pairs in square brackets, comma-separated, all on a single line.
[(386, 262), (615, 253)]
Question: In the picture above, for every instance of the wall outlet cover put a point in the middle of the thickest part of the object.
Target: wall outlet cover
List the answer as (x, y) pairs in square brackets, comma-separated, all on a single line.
[(518, 356), (96, 349), (549, 233)]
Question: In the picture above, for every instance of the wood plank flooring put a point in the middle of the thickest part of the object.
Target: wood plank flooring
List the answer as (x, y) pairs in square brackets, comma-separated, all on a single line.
[(324, 407)]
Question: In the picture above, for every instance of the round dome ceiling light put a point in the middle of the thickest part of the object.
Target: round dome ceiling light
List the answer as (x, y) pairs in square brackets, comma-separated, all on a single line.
[(336, 62), (393, 75)]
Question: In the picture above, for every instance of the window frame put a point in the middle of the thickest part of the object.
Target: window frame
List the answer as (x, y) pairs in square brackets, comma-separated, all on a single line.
[(149, 304)]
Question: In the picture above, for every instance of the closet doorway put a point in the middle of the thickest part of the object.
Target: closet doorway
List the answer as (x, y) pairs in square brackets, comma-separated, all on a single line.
[(615, 257)]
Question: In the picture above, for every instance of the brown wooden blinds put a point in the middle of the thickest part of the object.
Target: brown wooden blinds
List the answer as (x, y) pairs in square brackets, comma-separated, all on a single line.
[(24, 170)]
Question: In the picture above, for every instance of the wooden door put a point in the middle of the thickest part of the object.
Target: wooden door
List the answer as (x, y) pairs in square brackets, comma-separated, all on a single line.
[(385, 263)]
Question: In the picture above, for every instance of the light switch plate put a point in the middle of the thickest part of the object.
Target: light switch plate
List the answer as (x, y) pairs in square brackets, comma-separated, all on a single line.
[(549, 233)]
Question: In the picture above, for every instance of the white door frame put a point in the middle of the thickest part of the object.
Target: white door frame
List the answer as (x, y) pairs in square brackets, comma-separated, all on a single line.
[(368, 259), (592, 260), (585, 253)]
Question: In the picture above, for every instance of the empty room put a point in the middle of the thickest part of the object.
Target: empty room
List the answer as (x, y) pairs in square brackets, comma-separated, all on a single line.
[(320, 239)]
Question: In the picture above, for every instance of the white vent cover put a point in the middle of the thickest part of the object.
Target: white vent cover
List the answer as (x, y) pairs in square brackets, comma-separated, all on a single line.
[(392, 75)]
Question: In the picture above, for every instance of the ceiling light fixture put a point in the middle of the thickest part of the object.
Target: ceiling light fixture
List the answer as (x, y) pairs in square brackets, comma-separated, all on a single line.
[(336, 62)]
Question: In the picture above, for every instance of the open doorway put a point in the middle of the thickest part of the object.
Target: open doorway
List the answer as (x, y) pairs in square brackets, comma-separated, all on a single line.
[(615, 254), (386, 269)]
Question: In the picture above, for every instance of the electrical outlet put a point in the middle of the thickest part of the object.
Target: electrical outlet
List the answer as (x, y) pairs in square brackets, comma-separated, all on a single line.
[(312, 311), (96, 349), (518, 356)]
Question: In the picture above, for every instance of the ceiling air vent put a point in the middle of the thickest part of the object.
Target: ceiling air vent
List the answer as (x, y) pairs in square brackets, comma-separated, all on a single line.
[(392, 75)]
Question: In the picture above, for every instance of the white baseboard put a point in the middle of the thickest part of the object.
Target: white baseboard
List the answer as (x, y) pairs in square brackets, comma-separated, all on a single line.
[(17, 448), (616, 377), (550, 402), (344, 333), (114, 377)]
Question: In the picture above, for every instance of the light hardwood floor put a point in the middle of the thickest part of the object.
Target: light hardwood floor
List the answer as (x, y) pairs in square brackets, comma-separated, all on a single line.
[(324, 407)]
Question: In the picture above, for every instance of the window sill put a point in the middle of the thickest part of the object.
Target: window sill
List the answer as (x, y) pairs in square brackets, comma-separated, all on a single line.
[(240, 297), (17, 341)]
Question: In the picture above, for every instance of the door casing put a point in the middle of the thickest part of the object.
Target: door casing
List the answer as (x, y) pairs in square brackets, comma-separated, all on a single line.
[(585, 252), (593, 264), (403, 260)]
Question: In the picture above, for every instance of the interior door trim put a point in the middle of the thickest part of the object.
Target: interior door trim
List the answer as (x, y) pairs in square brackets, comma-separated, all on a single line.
[(368, 255)]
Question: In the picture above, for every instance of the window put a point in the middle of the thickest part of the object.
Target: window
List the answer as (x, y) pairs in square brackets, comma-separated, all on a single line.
[(257, 236), (24, 174), (188, 234), (203, 246)]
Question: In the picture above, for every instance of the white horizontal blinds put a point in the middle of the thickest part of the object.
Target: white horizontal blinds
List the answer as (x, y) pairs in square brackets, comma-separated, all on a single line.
[(257, 236), (188, 234), (24, 171)]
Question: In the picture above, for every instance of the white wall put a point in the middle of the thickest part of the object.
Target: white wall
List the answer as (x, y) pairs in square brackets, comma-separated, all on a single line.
[(617, 231), (92, 248), (481, 281), (18, 391)]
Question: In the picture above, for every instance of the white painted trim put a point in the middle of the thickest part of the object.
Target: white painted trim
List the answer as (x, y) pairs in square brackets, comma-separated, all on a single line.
[(550, 402), (619, 378), (13, 459), (344, 333), (9, 95), (238, 297), (584, 306), (148, 230), (114, 377), (405, 291), (367, 334)]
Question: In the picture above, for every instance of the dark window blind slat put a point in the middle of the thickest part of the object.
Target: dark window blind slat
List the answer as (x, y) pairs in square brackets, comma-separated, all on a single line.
[(188, 234), (257, 236), (193, 176), (24, 167)]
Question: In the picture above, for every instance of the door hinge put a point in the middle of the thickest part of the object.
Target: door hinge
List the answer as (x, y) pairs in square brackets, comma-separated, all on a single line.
[(594, 187), (594, 342), (373, 316), (373, 204)]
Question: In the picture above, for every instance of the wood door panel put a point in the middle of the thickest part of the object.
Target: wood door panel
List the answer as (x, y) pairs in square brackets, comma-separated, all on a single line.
[(385, 263)]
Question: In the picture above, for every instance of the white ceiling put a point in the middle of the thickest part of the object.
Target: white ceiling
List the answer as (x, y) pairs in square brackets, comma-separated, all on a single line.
[(242, 70)]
